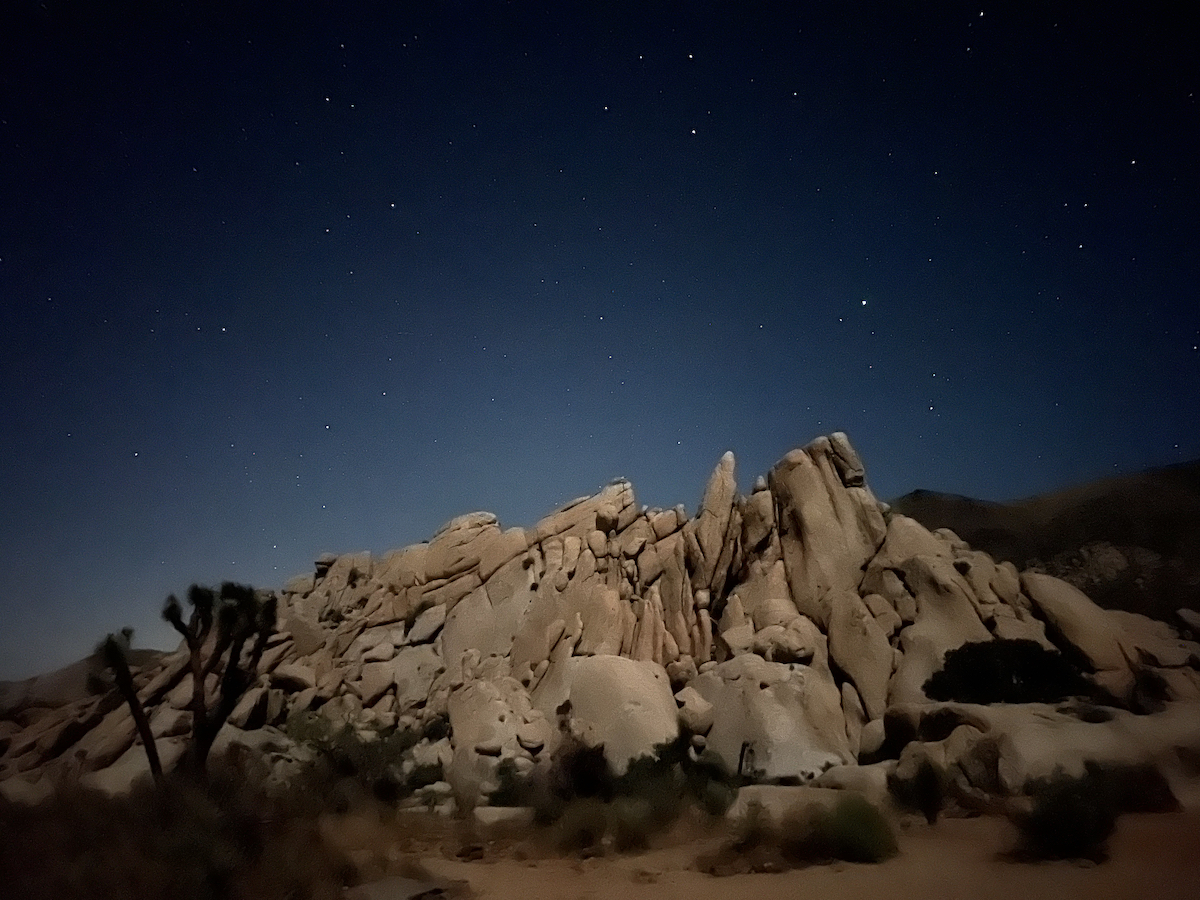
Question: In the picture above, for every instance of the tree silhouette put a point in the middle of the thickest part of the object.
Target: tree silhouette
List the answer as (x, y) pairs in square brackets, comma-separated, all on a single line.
[(221, 626), (113, 651), (225, 634)]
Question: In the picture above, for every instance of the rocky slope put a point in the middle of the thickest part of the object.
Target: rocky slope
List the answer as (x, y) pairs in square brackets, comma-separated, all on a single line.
[(1130, 542), (782, 629)]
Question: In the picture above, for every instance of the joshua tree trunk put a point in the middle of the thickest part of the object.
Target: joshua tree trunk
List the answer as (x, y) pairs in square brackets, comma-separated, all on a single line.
[(114, 658)]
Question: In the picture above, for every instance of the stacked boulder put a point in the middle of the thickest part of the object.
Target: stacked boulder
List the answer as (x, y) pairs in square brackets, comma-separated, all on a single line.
[(781, 629)]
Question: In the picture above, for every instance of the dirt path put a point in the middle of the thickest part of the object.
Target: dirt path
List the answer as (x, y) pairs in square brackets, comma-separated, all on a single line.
[(1153, 857)]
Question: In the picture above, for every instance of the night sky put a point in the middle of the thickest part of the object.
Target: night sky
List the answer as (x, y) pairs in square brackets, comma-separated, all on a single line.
[(320, 276)]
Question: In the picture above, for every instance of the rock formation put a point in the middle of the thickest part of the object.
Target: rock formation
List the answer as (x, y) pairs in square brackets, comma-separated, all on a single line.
[(780, 628)]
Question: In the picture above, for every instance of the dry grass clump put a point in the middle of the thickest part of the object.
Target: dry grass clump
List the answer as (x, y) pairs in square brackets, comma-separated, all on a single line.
[(853, 830), (225, 839)]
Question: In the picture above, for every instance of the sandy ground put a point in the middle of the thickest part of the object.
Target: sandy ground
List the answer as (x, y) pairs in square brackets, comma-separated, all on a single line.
[(1152, 857)]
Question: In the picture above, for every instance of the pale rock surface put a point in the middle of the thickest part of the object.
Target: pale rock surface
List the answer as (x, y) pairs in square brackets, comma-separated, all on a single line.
[(945, 620), (886, 617), (905, 539), (1080, 622), (626, 705), (293, 677), (133, 766), (870, 781), (427, 624), (1156, 643), (765, 596), (713, 523), (601, 612), (777, 643), (858, 646), (739, 639), (775, 720), (830, 525), (695, 713), (758, 519), (855, 716), (486, 718), (1013, 625)]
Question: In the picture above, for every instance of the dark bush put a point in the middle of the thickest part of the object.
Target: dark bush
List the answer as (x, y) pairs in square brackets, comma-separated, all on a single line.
[(1135, 788), (229, 837), (511, 788), (590, 805), (853, 830), (1006, 671), (924, 792), (1071, 818)]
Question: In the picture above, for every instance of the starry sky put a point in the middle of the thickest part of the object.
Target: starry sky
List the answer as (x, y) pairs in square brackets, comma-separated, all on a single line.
[(278, 279)]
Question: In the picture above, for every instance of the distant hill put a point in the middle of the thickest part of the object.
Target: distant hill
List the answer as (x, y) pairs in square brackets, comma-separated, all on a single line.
[(1132, 542), (62, 686)]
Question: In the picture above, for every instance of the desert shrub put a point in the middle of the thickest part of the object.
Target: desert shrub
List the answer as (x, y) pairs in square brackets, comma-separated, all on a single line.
[(853, 830), (924, 792), (229, 837), (583, 798), (1006, 671), (581, 826), (307, 727), (512, 789), (349, 767), (1134, 787), (1071, 817), (712, 789), (583, 772)]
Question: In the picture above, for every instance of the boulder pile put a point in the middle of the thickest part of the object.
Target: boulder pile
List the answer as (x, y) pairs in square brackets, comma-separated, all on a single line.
[(781, 629)]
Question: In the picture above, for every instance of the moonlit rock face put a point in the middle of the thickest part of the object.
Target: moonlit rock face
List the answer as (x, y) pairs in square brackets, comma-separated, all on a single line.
[(782, 627)]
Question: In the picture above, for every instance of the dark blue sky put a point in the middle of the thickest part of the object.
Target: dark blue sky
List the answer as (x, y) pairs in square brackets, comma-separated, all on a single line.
[(308, 277)]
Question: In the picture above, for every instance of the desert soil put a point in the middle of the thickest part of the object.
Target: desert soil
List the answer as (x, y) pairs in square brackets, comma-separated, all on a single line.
[(1152, 857)]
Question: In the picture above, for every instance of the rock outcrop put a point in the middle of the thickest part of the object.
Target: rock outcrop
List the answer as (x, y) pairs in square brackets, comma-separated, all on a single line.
[(779, 628)]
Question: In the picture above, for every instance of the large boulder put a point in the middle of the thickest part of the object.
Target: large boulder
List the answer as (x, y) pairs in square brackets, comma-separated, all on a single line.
[(491, 720), (765, 596), (623, 704), (410, 673), (830, 524), (1074, 618), (858, 646), (773, 720), (945, 620)]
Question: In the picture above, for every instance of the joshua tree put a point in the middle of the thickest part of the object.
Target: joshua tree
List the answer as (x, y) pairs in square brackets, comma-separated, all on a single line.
[(241, 617), (112, 651)]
